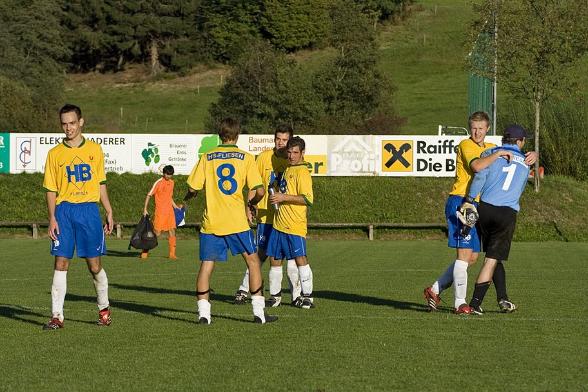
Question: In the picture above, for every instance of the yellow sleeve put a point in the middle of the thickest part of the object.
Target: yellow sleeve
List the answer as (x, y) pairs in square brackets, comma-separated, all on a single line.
[(253, 176), (304, 188), (49, 182), (197, 176), (100, 174), (469, 152)]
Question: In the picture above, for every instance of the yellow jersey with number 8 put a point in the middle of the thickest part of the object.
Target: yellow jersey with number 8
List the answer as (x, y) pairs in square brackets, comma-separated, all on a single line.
[(223, 173)]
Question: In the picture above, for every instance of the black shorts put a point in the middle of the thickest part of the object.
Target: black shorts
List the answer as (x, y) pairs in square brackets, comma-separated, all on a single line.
[(496, 227)]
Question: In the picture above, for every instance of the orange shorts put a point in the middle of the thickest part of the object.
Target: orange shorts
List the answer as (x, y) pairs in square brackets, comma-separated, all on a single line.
[(164, 221)]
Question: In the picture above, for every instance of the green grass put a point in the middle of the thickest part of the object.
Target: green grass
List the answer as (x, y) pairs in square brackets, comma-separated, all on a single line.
[(557, 213), (425, 59), (146, 107), (369, 331)]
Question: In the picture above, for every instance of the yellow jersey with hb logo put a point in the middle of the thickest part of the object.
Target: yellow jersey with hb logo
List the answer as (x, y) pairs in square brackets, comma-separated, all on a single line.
[(291, 218), (271, 167), (467, 151), (223, 173), (75, 173)]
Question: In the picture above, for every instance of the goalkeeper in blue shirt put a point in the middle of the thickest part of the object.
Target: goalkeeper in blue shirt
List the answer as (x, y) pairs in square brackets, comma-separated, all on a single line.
[(500, 186)]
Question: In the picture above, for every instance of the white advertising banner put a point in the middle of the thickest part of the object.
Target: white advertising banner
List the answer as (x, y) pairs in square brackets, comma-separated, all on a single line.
[(326, 155)]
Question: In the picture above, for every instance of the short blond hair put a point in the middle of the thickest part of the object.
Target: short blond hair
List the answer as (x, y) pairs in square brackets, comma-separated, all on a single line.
[(479, 116)]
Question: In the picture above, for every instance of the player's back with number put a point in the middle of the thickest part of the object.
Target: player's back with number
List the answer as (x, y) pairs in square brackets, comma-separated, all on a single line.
[(223, 173), (505, 180)]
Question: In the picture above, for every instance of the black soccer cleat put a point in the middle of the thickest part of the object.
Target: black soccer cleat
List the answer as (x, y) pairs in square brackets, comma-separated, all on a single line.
[(307, 302), (506, 306), (241, 298), (477, 310), (268, 319), (204, 321)]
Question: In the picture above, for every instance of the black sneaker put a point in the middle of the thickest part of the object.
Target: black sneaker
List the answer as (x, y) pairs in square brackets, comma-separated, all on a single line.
[(273, 301), (241, 297), (268, 319), (506, 306), (307, 303), (297, 303), (204, 321), (477, 310)]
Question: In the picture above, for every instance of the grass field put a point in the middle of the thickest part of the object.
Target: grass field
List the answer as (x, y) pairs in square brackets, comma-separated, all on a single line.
[(369, 331)]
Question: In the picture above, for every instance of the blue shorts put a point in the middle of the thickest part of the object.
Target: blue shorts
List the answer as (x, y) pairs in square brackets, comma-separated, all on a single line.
[(214, 247), (264, 230), (80, 227), (454, 225), (286, 246)]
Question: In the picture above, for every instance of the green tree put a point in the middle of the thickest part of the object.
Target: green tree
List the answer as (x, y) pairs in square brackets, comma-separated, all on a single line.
[(295, 24), (537, 44), (356, 95), (265, 89), (229, 25), (31, 51)]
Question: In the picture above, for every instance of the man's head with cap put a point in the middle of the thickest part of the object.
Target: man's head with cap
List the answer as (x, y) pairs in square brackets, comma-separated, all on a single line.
[(513, 133)]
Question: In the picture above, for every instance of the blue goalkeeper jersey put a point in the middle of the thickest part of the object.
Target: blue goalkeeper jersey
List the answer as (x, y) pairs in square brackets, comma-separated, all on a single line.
[(502, 183)]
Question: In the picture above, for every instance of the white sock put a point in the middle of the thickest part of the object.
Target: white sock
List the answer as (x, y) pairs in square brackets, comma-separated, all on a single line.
[(204, 310), (293, 279), (460, 282), (58, 290), (245, 283), (258, 303), (275, 280), (101, 285), (444, 281), (305, 279)]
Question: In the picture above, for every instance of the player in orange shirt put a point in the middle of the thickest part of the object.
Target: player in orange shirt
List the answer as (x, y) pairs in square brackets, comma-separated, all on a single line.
[(164, 218)]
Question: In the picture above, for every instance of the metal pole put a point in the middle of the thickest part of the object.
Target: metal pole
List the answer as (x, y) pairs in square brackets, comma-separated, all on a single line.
[(495, 92)]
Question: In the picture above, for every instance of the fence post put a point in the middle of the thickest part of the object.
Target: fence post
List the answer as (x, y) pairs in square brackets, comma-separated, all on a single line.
[(118, 231), (371, 232), (35, 231)]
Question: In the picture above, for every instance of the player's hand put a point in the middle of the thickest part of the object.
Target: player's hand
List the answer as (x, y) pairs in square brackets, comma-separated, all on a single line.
[(468, 215), (277, 198), (505, 154), (109, 226), (53, 230), (250, 214), (531, 157)]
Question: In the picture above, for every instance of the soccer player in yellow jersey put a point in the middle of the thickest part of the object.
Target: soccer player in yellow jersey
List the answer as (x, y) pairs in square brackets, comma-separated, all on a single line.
[(271, 165), (288, 240), (75, 182), (467, 247), (223, 173)]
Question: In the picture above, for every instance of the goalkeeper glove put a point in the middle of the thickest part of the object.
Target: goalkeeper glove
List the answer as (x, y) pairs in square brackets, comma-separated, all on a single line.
[(468, 215)]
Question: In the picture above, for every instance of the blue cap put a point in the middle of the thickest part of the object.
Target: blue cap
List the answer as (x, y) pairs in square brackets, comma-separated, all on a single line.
[(515, 131)]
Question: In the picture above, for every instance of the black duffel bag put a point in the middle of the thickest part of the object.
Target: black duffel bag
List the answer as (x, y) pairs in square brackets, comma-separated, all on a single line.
[(143, 237)]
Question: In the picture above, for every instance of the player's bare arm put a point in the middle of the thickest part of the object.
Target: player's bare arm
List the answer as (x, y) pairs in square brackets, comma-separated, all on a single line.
[(146, 205), (53, 230), (109, 226), (284, 198), (252, 204), (480, 164)]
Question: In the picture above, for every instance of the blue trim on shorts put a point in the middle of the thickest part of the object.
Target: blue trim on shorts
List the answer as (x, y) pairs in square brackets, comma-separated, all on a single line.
[(454, 240), (286, 246), (80, 229), (214, 247)]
